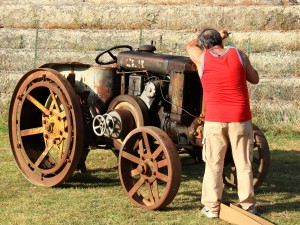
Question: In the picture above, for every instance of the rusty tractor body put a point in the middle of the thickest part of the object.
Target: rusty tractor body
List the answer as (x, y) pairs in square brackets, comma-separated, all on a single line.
[(142, 105)]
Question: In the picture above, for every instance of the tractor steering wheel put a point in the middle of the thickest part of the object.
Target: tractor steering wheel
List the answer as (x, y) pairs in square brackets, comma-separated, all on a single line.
[(114, 58)]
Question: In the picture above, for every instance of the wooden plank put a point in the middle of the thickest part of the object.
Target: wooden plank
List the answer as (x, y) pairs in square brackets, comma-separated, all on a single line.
[(235, 217), (252, 216)]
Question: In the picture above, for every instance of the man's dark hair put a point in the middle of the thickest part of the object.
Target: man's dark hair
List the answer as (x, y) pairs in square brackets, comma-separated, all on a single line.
[(209, 38)]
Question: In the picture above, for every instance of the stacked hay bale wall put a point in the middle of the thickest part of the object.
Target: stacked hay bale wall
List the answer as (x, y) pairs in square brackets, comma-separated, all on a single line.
[(35, 32)]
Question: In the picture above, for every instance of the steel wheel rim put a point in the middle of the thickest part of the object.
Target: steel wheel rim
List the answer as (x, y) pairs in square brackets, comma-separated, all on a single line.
[(151, 178), (46, 111), (261, 157)]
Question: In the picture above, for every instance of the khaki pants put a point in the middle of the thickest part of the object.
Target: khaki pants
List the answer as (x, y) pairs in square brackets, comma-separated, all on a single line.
[(217, 136)]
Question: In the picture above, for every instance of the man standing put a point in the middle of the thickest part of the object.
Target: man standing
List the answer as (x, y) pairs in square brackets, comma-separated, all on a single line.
[(223, 74)]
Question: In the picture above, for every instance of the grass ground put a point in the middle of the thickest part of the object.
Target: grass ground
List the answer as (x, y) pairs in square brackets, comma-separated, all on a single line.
[(98, 198)]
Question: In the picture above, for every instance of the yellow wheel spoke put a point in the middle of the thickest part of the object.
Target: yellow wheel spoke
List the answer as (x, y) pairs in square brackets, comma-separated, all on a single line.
[(38, 104), (43, 155), (62, 146), (32, 131), (54, 101), (65, 135), (59, 150), (66, 124), (62, 114)]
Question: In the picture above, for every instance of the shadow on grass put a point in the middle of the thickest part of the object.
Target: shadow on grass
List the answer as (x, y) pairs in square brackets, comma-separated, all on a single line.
[(282, 181), (104, 177), (283, 176)]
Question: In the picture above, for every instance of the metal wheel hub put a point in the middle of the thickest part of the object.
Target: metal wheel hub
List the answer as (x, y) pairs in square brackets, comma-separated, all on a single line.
[(54, 127), (148, 170)]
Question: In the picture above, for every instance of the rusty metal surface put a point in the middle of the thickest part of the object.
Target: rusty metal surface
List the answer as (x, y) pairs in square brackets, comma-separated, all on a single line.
[(149, 168), (154, 62), (101, 83), (176, 96), (185, 93), (45, 127), (123, 123), (135, 106)]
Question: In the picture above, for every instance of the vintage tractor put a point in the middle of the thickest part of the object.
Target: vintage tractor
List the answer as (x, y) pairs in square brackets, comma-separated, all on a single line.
[(142, 105)]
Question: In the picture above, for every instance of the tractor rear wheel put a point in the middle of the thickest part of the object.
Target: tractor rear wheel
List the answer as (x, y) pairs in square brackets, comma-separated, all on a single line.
[(45, 127)]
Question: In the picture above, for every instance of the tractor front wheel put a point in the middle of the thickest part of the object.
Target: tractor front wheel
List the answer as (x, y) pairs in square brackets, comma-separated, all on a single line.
[(149, 168)]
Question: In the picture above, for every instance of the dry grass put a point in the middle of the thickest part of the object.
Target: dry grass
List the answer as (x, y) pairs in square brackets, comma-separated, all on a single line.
[(183, 2), (294, 46), (275, 104), (98, 198)]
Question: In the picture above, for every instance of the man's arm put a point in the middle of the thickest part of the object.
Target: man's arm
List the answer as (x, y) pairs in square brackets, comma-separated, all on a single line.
[(195, 52), (251, 73)]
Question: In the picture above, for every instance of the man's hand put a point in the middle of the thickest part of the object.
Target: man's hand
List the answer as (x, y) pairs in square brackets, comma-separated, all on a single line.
[(224, 34)]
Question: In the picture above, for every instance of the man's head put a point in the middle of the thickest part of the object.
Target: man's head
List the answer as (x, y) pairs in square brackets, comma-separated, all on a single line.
[(209, 38)]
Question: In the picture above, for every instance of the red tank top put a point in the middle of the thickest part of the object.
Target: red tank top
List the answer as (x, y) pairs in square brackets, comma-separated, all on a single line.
[(225, 88)]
